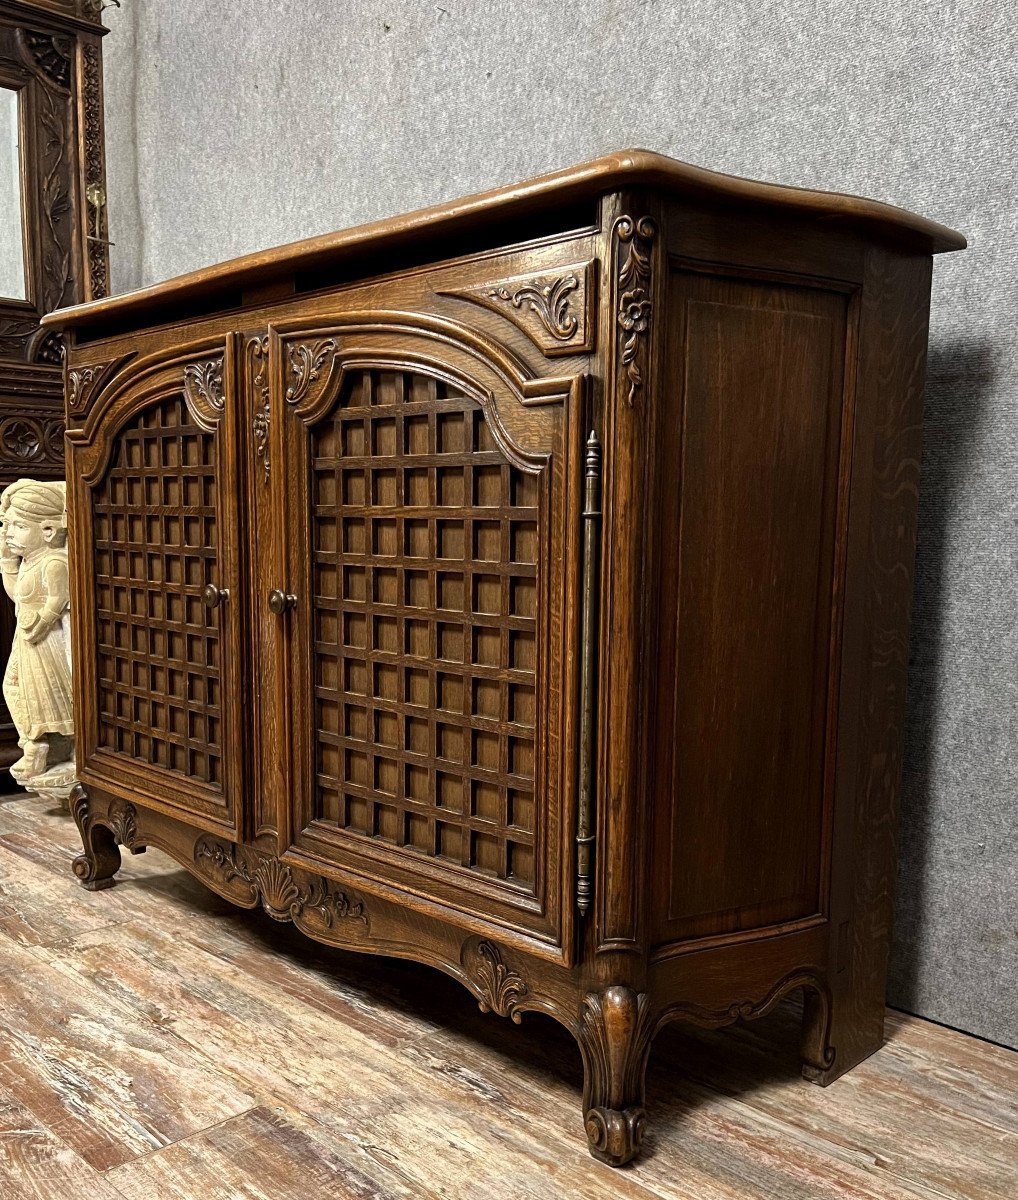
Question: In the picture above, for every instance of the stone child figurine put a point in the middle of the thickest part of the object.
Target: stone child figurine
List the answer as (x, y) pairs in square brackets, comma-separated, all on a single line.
[(37, 683)]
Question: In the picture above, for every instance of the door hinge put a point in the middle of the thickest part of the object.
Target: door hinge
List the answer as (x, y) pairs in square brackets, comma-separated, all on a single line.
[(586, 807)]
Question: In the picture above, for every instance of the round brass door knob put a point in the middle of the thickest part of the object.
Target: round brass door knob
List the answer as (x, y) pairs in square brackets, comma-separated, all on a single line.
[(214, 596), (280, 601)]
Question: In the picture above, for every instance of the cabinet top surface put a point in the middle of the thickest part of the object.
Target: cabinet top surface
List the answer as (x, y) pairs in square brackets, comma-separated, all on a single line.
[(540, 197)]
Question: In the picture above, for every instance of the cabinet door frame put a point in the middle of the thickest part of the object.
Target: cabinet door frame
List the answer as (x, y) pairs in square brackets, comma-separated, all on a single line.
[(537, 424), (203, 374)]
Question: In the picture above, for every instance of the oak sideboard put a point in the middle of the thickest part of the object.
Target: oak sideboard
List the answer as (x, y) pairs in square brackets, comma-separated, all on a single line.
[(522, 586)]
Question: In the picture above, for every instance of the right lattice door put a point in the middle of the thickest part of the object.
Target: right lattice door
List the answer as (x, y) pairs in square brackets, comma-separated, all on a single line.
[(427, 629)]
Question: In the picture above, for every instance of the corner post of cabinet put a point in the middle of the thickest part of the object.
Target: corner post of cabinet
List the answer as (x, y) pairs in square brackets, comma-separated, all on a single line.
[(623, 416), (880, 554)]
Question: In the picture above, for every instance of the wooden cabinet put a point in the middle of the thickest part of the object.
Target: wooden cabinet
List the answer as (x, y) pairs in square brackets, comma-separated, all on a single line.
[(522, 587), (53, 248)]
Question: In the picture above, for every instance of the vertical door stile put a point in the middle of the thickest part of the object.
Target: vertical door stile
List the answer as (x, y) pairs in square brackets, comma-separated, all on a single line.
[(277, 690), (230, 582)]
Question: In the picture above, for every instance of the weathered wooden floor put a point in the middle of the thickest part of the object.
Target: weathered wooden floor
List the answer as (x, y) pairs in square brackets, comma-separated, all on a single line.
[(157, 1043)]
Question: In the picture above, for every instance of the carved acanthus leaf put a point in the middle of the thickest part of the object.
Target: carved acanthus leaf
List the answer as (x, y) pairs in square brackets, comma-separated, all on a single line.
[(203, 391), (635, 307), (551, 309), (81, 385), (122, 821), (307, 360), (500, 990)]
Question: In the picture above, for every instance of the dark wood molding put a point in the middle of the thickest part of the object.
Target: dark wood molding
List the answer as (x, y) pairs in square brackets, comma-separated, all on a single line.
[(41, 48), (563, 655)]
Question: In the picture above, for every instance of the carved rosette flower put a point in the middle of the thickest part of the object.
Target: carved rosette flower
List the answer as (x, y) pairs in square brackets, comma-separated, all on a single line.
[(500, 990), (635, 308), (21, 439), (307, 359)]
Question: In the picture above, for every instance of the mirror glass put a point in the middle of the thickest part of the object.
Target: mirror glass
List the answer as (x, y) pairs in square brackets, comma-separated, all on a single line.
[(12, 254)]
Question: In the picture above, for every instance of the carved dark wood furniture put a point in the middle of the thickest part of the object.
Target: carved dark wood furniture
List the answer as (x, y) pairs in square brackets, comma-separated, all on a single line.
[(522, 586), (52, 236)]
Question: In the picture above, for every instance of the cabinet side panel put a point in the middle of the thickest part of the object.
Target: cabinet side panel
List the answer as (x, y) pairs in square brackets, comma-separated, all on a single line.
[(749, 482), (878, 593)]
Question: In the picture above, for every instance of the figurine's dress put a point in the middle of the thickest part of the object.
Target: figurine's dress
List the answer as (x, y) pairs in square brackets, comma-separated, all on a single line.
[(37, 684)]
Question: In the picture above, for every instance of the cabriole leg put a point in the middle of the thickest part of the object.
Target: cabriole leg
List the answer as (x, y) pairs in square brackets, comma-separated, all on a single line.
[(615, 1035), (100, 861), (816, 1051)]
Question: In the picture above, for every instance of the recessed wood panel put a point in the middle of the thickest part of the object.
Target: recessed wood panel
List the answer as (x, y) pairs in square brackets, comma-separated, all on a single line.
[(425, 541), (749, 471)]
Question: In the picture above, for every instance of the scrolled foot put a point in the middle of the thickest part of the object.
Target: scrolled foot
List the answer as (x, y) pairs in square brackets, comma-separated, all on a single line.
[(817, 1053), (615, 1032), (96, 867), (93, 874), (614, 1137)]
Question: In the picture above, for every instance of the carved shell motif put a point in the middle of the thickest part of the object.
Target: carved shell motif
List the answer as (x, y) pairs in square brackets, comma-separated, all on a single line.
[(282, 897)]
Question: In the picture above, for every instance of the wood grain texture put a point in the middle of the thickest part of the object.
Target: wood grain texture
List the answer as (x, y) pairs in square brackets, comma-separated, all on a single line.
[(532, 203), (36, 1165), (369, 1078), (369, 485)]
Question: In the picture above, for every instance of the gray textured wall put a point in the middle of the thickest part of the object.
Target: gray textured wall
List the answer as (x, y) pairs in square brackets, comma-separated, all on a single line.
[(234, 126)]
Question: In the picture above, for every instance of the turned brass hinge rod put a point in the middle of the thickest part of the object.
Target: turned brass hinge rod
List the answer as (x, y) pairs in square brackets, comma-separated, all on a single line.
[(585, 822)]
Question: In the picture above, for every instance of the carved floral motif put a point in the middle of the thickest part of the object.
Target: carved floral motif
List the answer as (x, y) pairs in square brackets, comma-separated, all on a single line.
[(306, 362), (21, 439), (50, 348), (259, 351), (282, 897), (635, 308), (14, 333), (92, 122)]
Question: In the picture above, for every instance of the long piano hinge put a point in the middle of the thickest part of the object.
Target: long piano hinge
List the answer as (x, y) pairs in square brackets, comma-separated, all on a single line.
[(585, 821)]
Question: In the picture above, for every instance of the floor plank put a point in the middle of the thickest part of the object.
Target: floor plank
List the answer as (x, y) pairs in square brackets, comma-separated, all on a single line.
[(268, 1153), (106, 1081), (36, 1165), (185, 1048)]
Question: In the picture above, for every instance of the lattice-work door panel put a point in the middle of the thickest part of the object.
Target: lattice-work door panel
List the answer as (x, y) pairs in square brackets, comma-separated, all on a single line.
[(157, 545), (429, 552)]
